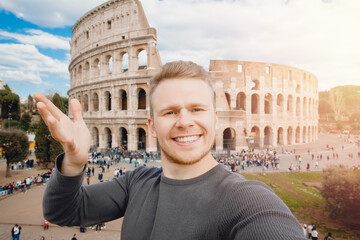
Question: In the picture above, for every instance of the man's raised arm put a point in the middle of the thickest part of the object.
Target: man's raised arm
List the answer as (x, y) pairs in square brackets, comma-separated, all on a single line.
[(73, 135)]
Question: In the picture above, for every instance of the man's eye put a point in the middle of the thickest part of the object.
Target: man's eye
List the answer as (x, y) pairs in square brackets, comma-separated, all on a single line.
[(197, 109), (170, 113)]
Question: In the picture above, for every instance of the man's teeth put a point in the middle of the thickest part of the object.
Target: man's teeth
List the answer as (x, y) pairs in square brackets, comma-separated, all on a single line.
[(187, 139)]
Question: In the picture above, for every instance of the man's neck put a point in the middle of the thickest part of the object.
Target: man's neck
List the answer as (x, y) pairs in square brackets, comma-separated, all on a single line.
[(182, 172)]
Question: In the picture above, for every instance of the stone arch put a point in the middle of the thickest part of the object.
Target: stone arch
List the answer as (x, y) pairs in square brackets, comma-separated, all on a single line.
[(228, 99), (255, 133), (280, 136), (79, 74), (95, 102), (141, 136), (141, 59), (297, 135), (289, 136), (309, 134), (74, 75), (268, 104), (290, 104), (96, 67), (298, 107), (313, 133), (86, 103), (123, 137), (241, 101), (280, 103), (124, 62), (109, 64), (123, 100), (108, 137), (268, 136), (304, 135), (107, 101), (141, 99), (87, 70), (95, 136), (255, 104), (309, 109), (304, 108), (229, 139)]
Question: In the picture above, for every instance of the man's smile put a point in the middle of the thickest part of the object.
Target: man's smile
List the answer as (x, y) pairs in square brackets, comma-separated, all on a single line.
[(187, 139)]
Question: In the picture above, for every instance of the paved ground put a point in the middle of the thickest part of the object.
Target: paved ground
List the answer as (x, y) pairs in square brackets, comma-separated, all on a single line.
[(25, 208)]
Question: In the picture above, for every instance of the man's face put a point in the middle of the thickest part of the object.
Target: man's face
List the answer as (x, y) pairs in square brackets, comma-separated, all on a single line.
[(184, 120)]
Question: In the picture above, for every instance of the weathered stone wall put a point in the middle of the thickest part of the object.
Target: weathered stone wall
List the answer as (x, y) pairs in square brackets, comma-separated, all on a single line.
[(263, 104)]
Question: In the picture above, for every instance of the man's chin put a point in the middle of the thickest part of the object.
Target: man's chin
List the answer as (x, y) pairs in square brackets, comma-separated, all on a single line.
[(183, 160)]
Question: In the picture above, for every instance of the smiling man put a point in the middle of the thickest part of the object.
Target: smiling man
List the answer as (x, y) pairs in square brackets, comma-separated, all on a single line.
[(190, 197)]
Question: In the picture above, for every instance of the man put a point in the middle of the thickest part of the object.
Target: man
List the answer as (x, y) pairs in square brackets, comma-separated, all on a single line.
[(15, 232), (190, 197), (74, 237)]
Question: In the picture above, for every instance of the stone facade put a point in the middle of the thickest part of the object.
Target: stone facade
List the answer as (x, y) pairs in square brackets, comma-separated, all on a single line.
[(114, 54)]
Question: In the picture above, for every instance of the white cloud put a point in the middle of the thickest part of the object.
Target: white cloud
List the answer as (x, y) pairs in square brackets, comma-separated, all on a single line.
[(50, 14), (39, 38), (322, 38), (24, 63)]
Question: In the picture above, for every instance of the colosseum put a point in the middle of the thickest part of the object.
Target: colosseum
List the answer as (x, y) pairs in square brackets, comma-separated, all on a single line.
[(114, 55)]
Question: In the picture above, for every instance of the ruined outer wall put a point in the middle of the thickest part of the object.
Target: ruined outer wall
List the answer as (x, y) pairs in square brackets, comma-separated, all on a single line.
[(270, 103), (109, 78)]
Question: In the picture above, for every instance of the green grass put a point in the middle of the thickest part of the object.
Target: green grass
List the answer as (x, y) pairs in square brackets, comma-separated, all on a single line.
[(289, 187)]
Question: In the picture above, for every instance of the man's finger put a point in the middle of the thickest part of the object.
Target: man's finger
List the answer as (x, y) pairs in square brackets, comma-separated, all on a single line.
[(44, 113), (76, 110), (49, 105)]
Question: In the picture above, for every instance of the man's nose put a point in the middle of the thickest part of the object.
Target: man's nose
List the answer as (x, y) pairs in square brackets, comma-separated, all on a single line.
[(184, 119)]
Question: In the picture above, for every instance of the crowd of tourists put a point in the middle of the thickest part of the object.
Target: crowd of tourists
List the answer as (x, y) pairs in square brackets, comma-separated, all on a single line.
[(24, 184), (249, 158)]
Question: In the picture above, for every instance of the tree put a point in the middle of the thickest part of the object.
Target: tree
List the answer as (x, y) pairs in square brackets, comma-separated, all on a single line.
[(10, 105), (46, 147), (25, 122), (7, 88), (336, 102), (55, 147), (42, 143), (15, 145), (341, 191), (30, 105)]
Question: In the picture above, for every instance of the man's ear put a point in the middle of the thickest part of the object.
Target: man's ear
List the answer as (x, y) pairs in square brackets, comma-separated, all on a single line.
[(152, 127)]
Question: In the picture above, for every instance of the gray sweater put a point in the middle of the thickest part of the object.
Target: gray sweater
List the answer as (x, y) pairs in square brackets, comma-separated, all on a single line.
[(215, 205)]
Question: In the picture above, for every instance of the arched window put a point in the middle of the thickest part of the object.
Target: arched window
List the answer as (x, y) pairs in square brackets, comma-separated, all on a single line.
[(241, 101), (95, 136), (123, 100), (95, 102), (86, 103), (124, 62), (255, 104), (228, 99), (123, 137), (142, 59), (229, 139), (96, 67), (110, 63), (108, 137), (107, 98), (268, 136), (268, 104), (142, 99), (280, 136), (141, 139)]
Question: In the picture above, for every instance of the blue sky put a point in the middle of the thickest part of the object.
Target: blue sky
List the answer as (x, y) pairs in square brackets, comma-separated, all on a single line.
[(320, 36)]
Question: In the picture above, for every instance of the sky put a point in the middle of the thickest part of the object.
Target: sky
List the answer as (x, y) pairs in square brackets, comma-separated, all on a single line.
[(319, 36)]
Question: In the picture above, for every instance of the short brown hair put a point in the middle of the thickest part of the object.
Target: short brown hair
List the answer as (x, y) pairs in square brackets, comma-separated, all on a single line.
[(179, 69)]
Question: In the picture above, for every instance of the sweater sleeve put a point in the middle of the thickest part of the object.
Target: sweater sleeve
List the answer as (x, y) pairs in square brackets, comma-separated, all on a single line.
[(67, 202), (253, 211)]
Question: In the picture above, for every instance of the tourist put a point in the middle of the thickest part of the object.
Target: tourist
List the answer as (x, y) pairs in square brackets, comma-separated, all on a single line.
[(15, 232), (185, 198), (314, 233), (74, 237), (46, 224), (310, 227), (328, 236)]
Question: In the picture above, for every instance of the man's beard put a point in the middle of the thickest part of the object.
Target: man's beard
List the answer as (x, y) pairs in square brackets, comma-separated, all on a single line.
[(172, 157)]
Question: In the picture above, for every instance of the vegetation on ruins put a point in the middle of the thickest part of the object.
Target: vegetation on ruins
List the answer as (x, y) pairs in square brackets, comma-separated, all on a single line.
[(15, 147)]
